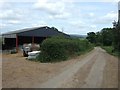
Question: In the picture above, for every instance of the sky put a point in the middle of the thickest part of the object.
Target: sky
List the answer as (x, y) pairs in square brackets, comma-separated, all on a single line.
[(69, 16)]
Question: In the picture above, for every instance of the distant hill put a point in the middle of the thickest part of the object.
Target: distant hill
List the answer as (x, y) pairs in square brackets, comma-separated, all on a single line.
[(77, 36)]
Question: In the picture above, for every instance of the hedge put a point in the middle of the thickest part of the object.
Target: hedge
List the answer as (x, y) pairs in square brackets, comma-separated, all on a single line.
[(60, 48)]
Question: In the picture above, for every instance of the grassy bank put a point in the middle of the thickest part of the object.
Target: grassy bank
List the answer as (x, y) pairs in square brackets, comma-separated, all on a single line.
[(110, 50)]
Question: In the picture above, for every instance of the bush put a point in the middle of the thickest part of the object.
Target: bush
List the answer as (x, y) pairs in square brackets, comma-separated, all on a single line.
[(60, 48)]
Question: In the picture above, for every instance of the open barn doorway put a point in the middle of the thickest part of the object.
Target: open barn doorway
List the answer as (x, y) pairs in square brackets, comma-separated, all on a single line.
[(24, 39)]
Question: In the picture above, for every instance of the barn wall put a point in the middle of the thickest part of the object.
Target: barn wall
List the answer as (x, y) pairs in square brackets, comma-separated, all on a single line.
[(9, 43)]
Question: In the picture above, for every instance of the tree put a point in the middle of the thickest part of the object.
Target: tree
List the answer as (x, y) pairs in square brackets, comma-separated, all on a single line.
[(116, 43), (99, 38), (107, 36), (91, 36), (104, 37)]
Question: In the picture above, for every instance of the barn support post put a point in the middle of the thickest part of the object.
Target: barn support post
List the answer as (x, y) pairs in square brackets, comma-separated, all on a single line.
[(33, 39), (16, 43)]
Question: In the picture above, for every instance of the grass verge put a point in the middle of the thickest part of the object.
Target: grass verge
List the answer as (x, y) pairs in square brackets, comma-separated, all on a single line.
[(110, 50)]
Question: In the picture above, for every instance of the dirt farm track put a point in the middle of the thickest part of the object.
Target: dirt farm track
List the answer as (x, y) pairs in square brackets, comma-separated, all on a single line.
[(96, 69)]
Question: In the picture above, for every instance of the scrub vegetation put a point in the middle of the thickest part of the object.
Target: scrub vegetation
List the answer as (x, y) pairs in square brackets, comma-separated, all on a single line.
[(108, 39), (60, 48)]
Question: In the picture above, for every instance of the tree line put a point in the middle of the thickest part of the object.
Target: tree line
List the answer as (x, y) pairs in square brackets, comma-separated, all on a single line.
[(106, 37)]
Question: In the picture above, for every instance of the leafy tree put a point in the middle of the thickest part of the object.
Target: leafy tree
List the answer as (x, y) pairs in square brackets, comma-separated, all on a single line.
[(99, 38), (104, 37), (107, 36), (91, 36), (116, 33)]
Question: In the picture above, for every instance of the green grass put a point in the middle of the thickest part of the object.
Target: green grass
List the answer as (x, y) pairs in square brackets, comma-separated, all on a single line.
[(109, 49)]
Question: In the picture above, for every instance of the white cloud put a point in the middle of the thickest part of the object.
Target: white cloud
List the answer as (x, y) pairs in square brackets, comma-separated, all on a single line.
[(2, 25), (8, 18), (106, 19), (14, 22), (90, 0), (50, 7), (55, 9), (83, 25), (64, 15), (39, 24), (78, 24), (110, 15), (78, 16), (11, 14), (11, 17), (5, 13), (2, 3), (91, 14), (93, 26), (17, 0), (71, 1)]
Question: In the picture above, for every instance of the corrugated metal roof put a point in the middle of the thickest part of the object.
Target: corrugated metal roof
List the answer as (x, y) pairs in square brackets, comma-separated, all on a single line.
[(36, 31), (22, 30)]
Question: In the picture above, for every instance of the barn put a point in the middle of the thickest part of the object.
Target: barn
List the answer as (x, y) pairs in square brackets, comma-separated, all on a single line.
[(29, 35)]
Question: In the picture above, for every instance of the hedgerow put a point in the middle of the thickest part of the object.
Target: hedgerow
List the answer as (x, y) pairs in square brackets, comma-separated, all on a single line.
[(60, 48)]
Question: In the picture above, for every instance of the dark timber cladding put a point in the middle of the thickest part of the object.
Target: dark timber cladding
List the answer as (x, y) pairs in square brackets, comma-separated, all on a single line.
[(29, 35)]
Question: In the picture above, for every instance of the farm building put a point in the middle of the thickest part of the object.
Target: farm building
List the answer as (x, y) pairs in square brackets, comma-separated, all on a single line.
[(29, 35)]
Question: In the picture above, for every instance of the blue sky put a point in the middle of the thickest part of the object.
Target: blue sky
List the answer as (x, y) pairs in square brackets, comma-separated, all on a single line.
[(71, 16)]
